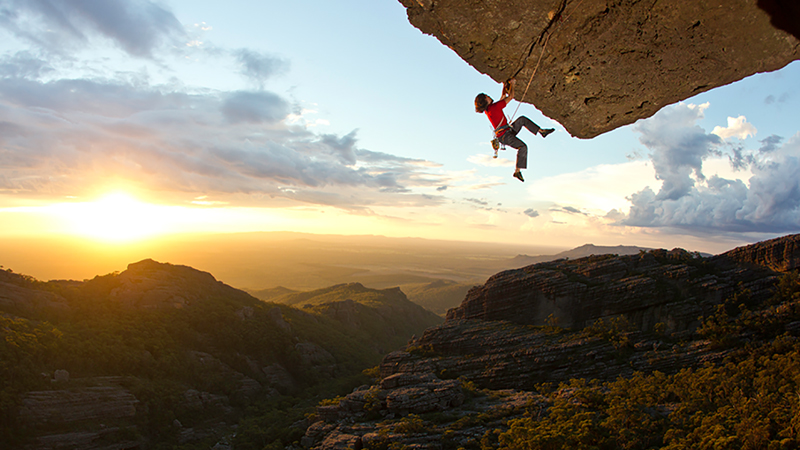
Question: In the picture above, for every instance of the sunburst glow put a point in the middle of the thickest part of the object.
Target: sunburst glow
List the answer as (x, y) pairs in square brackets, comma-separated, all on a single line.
[(116, 217)]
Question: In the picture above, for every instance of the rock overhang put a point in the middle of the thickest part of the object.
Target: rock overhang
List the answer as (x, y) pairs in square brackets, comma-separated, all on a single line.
[(596, 65)]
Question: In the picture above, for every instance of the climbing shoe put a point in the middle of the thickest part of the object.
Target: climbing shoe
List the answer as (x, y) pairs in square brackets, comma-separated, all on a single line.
[(518, 175), (545, 131)]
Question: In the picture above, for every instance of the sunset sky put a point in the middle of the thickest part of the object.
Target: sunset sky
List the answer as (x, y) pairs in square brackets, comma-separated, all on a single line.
[(127, 119)]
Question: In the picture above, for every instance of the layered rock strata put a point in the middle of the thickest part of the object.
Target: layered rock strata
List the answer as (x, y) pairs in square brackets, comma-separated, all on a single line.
[(509, 336), (669, 287)]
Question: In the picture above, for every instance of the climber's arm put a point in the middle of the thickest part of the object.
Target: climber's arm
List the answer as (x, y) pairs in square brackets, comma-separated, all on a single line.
[(508, 90)]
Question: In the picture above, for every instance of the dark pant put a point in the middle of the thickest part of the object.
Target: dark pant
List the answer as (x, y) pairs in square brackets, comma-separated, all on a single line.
[(510, 138)]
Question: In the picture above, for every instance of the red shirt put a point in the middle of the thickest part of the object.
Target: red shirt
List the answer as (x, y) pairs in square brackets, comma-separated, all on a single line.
[(496, 115)]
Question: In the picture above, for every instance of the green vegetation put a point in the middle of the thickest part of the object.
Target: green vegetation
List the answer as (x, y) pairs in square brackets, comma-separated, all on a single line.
[(215, 341), (385, 318), (614, 330), (749, 401)]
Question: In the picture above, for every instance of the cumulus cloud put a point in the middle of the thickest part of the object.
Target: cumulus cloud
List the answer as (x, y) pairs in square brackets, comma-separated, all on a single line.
[(768, 202), (136, 26), (737, 127), (678, 148)]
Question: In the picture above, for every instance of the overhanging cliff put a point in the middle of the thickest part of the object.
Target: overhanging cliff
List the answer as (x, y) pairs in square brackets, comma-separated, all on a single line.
[(607, 63)]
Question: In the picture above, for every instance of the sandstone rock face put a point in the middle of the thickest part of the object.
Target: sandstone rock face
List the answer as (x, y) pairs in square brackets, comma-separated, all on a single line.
[(672, 287), (105, 439), (507, 338), (607, 63), (502, 355), (781, 254), (65, 406)]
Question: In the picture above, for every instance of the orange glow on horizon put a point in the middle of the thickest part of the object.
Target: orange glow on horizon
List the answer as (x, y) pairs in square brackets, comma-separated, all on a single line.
[(116, 217)]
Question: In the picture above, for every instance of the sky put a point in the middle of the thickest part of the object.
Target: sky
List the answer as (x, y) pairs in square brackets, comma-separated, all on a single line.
[(121, 120)]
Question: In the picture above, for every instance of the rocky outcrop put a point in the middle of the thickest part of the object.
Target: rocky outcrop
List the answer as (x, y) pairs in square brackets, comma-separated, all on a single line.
[(41, 408), (605, 63), (502, 355), (317, 357), (670, 287), (106, 438), (19, 295), (781, 254), (623, 315), (150, 284)]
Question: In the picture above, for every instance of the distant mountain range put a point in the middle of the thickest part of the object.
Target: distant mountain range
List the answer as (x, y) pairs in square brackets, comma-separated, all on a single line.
[(440, 294)]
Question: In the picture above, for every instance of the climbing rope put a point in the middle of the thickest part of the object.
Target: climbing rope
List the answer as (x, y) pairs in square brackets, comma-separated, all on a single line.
[(556, 18)]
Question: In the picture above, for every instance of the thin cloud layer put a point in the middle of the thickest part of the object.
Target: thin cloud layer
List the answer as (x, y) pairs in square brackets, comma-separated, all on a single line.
[(70, 136), (768, 202), (57, 136), (136, 26), (258, 67)]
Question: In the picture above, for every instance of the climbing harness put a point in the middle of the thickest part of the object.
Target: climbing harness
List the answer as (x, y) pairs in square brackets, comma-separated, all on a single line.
[(496, 144)]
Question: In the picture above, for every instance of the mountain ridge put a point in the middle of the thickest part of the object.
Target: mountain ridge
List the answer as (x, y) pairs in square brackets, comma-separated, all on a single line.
[(165, 353), (503, 379)]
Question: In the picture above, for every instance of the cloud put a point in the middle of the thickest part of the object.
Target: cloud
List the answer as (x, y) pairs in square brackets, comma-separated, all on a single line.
[(568, 210), (258, 67), (770, 144), (254, 107), (600, 188), (136, 26), (530, 212), (477, 201), (678, 148), (487, 160), (737, 127), (768, 202), (67, 136), (23, 65)]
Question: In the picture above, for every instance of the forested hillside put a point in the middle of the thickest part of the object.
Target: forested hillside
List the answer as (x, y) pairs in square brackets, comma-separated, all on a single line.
[(162, 355)]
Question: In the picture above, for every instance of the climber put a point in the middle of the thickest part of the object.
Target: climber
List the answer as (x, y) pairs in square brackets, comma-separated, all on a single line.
[(505, 133)]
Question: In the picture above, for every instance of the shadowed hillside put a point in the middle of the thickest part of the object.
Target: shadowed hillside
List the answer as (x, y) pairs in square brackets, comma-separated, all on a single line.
[(385, 318), (163, 354)]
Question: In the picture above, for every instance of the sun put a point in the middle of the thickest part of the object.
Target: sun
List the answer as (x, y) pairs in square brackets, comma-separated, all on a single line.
[(116, 217)]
